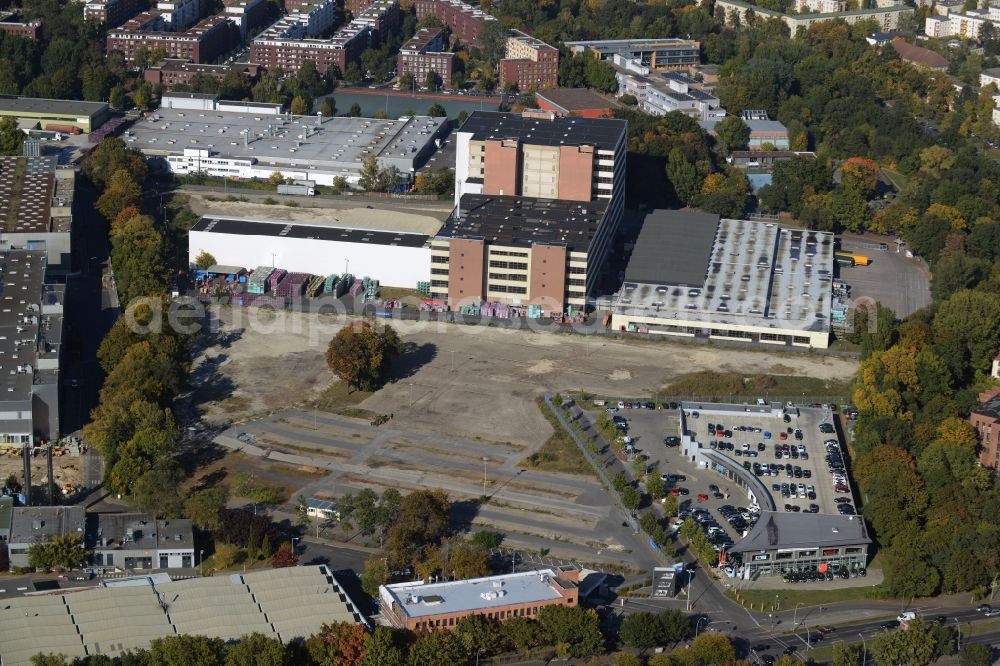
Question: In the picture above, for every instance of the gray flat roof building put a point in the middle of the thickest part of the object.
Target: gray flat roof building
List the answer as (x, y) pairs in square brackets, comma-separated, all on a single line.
[(603, 133), (694, 274), (87, 116), (137, 541), (255, 145), (38, 524), (286, 604)]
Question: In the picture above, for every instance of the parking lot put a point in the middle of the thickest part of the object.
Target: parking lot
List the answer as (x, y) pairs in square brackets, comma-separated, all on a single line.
[(790, 458), (892, 278)]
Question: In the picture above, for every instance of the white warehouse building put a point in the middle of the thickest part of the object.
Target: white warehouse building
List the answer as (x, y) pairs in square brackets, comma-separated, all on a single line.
[(394, 258), (255, 143)]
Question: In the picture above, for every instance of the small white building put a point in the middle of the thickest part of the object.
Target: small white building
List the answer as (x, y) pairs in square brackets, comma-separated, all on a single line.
[(322, 509)]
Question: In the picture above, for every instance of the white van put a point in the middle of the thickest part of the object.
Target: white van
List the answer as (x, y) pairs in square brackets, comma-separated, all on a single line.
[(908, 616)]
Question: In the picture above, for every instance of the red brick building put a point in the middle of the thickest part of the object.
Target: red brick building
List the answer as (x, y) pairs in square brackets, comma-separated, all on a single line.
[(284, 45), (382, 17), (424, 53), (579, 102), (464, 20), (986, 420), (11, 24), (439, 606), (112, 13), (204, 42), (529, 63), (171, 72)]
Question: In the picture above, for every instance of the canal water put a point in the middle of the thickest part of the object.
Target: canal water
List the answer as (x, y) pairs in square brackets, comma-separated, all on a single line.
[(397, 105)]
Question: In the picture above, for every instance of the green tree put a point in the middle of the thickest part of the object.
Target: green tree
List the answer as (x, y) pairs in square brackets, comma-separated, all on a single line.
[(203, 506), (382, 648), (187, 650), (493, 37), (487, 538), (353, 74), (676, 627), (157, 491), (437, 111), (711, 647), (954, 272), (655, 486), (574, 631), (11, 136), (406, 81), (257, 650), (975, 654), (733, 133), (122, 192), (915, 646), (59, 552), (110, 156), (328, 107), (116, 97), (355, 111), (683, 176), (432, 81), (204, 260), (631, 498), (12, 484), (642, 630), (361, 355), (522, 634), (627, 659), (48, 660), (300, 106), (478, 634), (376, 573), (440, 648), (847, 654)]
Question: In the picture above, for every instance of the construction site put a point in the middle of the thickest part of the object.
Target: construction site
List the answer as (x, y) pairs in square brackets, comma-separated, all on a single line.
[(65, 465)]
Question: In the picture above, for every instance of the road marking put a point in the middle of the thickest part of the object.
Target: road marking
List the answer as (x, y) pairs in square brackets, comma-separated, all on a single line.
[(21, 589)]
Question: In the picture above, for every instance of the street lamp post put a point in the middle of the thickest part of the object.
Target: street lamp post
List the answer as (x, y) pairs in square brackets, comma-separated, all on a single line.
[(697, 625), (485, 460), (294, 540), (864, 649), (201, 562), (688, 606), (959, 626)]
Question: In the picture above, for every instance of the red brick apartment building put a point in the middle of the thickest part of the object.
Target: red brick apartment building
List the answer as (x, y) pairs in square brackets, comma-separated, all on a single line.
[(10, 23), (529, 63), (464, 20), (173, 72), (425, 52), (202, 43), (986, 420), (426, 607), (112, 13), (284, 45)]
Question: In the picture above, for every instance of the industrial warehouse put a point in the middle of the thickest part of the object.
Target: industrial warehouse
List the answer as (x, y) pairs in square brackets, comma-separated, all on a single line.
[(695, 275), (127, 614), (395, 258), (248, 144)]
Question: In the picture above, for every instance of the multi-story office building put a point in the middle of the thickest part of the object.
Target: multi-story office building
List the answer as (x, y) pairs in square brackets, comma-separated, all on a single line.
[(538, 199), (465, 21), (205, 42), (32, 525), (138, 541), (670, 53), (112, 13), (529, 63), (424, 53), (538, 154)]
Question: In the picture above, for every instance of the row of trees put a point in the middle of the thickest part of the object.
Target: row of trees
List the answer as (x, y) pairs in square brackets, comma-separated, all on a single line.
[(573, 631)]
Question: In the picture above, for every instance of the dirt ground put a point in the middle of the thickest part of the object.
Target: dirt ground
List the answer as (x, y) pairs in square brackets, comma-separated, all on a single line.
[(468, 381), (65, 468)]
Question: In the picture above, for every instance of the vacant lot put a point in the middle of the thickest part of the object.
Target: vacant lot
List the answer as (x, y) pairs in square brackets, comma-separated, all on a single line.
[(468, 381)]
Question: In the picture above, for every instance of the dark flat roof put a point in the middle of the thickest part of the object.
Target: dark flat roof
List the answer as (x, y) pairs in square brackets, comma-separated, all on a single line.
[(605, 133), (673, 248), (802, 530), (51, 106), (510, 220), (573, 99), (289, 230)]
